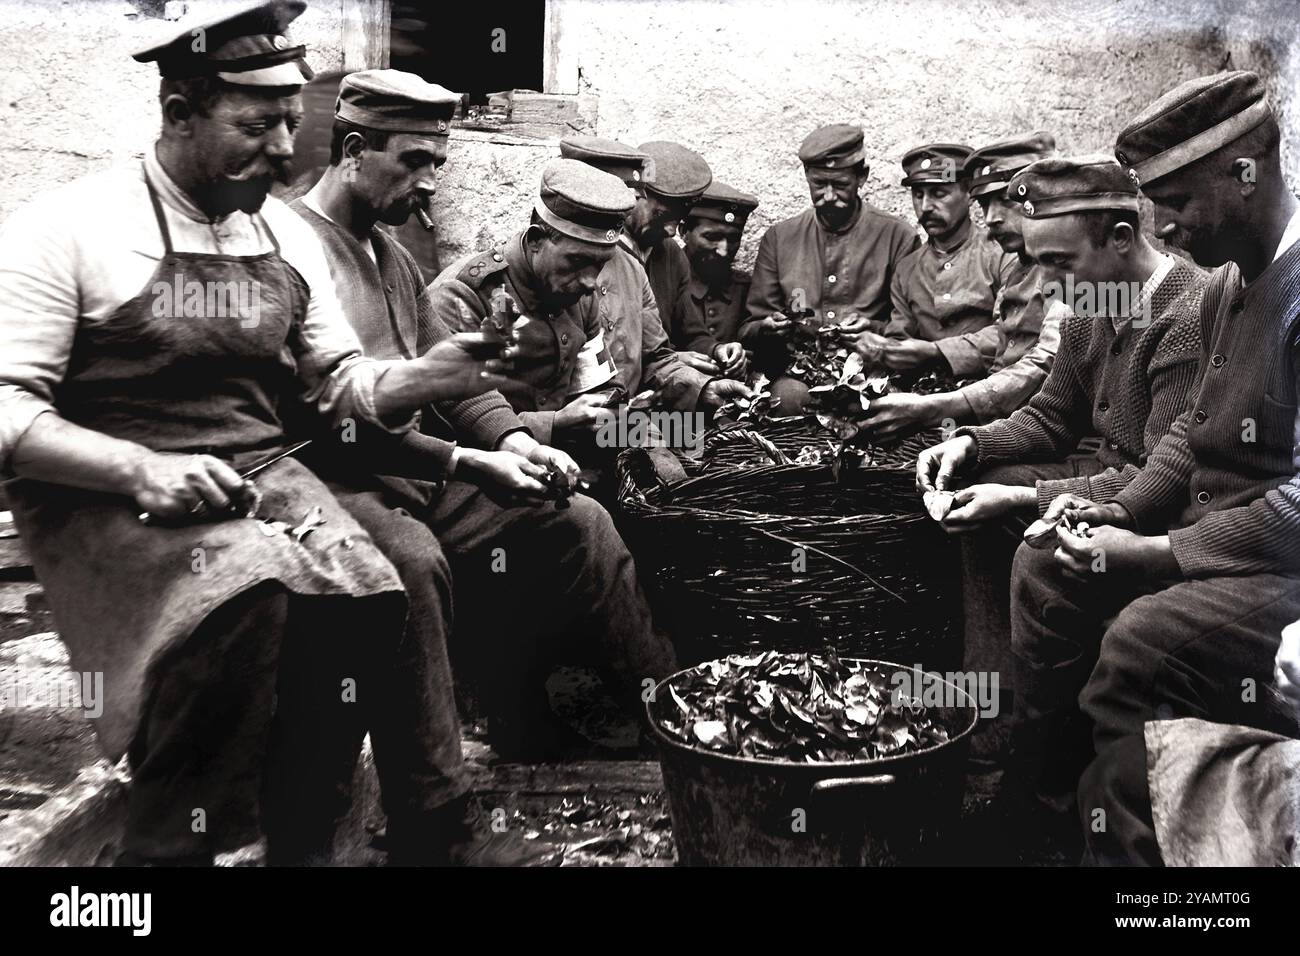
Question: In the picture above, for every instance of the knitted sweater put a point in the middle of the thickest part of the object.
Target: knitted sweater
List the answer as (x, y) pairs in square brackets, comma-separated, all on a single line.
[(1127, 387), (1230, 461)]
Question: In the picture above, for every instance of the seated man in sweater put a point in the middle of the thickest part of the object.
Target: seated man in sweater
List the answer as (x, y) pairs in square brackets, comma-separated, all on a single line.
[(1017, 348), (1173, 604), (526, 573), (1123, 372)]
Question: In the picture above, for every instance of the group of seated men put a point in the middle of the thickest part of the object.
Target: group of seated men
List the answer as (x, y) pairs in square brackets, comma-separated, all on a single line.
[(244, 659)]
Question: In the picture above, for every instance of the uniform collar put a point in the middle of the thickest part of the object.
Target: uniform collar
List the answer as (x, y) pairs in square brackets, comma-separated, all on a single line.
[(522, 276), (956, 247), (628, 243)]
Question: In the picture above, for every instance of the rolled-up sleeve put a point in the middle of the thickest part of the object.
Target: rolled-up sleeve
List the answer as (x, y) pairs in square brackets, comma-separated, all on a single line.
[(39, 311)]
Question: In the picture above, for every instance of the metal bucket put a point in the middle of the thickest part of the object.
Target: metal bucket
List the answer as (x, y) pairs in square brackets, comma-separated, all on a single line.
[(739, 811)]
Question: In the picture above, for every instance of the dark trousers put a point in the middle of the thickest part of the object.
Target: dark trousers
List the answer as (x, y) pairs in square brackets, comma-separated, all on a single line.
[(1201, 648), (416, 734), (534, 581), (986, 557), (249, 729), (1173, 650)]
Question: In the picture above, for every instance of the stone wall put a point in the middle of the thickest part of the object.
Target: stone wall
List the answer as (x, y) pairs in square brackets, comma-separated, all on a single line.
[(71, 98), (742, 81)]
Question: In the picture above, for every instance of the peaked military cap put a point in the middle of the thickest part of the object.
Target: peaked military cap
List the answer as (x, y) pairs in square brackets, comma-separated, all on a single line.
[(679, 173), (725, 204), (935, 163), (397, 102), (245, 46), (991, 167), (582, 202), (1056, 187), (611, 156)]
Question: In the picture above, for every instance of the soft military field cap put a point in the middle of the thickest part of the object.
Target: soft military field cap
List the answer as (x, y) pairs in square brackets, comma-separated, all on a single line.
[(935, 163), (679, 173), (725, 204), (245, 46), (1191, 121), (836, 146), (991, 167), (582, 202), (397, 102), (1057, 187), (618, 159)]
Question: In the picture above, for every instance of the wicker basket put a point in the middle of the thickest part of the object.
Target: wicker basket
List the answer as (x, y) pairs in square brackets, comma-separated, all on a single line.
[(734, 446), (719, 554)]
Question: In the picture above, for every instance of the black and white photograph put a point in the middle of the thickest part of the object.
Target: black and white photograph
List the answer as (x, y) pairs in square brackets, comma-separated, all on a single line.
[(650, 436)]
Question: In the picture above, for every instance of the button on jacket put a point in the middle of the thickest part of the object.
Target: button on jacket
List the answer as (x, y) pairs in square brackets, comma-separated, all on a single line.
[(841, 272), (723, 309), (940, 296)]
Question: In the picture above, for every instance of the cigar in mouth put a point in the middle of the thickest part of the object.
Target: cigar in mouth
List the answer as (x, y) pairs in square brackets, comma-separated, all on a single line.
[(422, 214)]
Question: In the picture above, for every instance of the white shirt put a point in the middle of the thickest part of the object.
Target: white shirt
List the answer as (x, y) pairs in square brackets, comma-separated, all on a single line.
[(1290, 235), (75, 254)]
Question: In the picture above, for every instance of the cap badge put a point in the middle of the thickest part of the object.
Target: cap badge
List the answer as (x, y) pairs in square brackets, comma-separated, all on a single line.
[(1021, 190), (442, 126), (611, 235), (1133, 175), (985, 170), (729, 217), (925, 164), (1029, 207), (636, 174), (280, 43)]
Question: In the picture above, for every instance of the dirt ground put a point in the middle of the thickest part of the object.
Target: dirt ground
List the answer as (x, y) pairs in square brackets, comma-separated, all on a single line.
[(610, 812)]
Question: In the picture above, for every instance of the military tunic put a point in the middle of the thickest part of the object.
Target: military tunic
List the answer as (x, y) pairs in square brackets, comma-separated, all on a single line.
[(940, 296), (634, 334), (842, 272), (1019, 346), (669, 272), (549, 340), (723, 309)]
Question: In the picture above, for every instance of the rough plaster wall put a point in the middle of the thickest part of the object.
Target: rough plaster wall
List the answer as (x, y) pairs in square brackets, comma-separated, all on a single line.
[(71, 98), (743, 82)]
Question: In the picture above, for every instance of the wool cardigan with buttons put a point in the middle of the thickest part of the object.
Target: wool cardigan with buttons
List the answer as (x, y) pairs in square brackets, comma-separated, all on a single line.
[(1224, 480), (1127, 386)]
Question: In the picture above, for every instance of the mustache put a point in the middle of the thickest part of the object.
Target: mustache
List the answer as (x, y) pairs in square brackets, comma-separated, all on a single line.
[(281, 172)]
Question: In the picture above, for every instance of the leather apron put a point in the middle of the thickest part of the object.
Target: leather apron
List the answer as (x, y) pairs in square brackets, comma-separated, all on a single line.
[(123, 594)]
